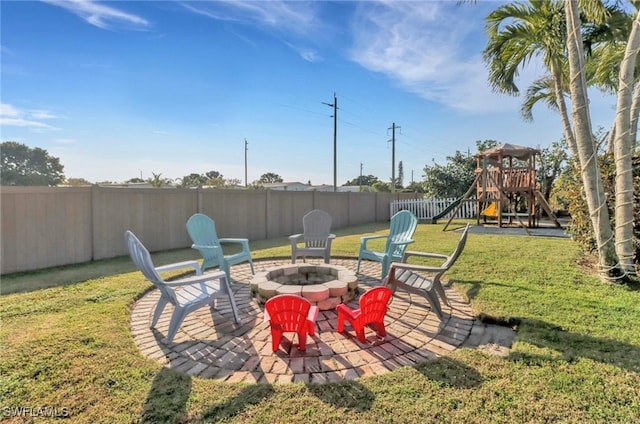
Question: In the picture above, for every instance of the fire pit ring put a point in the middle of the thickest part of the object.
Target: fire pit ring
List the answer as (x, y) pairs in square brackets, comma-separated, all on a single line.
[(323, 285)]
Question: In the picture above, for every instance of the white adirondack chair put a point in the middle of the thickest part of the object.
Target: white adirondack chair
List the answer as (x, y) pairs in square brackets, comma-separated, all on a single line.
[(316, 227), (185, 294)]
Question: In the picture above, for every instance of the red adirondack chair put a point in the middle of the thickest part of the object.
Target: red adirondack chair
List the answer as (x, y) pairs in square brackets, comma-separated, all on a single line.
[(373, 307), (288, 313)]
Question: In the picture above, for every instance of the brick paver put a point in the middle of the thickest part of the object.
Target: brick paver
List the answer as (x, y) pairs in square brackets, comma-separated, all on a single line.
[(209, 344)]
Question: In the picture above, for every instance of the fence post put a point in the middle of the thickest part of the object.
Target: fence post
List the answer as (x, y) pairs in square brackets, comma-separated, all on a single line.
[(94, 190)]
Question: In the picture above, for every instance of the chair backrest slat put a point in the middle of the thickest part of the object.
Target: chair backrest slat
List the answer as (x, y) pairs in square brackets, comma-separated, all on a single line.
[(289, 311), (402, 228), (142, 259), (373, 303), (316, 228), (202, 230), (456, 253)]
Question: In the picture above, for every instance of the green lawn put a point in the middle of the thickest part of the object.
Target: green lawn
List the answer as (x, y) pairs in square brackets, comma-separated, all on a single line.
[(65, 344)]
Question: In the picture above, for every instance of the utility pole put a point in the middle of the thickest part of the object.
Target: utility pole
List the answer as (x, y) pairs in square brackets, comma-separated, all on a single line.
[(335, 140), (393, 156), (245, 162), (360, 189)]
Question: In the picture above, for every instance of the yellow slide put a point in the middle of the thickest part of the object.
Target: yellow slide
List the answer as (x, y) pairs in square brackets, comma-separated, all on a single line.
[(491, 211)]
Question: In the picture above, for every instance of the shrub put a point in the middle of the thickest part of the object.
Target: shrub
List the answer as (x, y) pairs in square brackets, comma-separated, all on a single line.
[(569, 193)]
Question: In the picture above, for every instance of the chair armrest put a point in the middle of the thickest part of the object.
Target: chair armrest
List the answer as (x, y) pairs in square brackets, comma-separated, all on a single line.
[(364, 240), (413, 267), (295, 237), (350, 313), (400, 243), (409, 253), (330, 240), (313, 314), (243, 241), (233, 240), (179, 265), (205, 246), (195, 279)]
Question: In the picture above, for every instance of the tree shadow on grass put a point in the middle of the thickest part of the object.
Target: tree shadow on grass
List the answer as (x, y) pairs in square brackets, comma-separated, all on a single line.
[(248, 396), (167, 399), (570, 345), (451, 373), (573, 346), (345, 394)]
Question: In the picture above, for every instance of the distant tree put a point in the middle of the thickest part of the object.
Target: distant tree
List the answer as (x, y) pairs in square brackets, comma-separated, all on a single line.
[(134, 180), (415, 187), (214, 175), (381, 186), (232, 183), (365, 180), (482, 145), (553, 162), (400, 179), (157, 181), (255, 185), (452, 179), (455, 177), (193, 180), (24, 166), (270, 177), (76, 182), (215, 182)]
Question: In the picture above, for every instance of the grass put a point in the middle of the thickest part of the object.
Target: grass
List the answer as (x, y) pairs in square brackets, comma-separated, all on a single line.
[(66, 344)]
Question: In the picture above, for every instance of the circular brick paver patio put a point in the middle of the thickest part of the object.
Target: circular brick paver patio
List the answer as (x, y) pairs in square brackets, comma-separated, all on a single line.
[(209, 344)]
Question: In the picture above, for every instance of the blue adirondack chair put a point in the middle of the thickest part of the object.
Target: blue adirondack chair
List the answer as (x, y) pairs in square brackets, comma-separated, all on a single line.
[(403, 226), (202, 231)]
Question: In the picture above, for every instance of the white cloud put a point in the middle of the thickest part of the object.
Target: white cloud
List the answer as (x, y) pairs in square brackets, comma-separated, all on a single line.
[(308, 54), (7, 110), (42, 114), (419, 45), (298, 17), (13, 117), (99, 15)]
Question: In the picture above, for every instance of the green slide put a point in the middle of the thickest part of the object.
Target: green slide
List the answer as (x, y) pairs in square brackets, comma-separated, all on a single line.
[(434, 220)]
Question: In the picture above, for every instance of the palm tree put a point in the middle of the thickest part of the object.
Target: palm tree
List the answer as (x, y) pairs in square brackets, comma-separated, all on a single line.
[(158, 181), (606, 44), (586, 146), (517, 33), (616, 59), (540, 90), (623, 149)]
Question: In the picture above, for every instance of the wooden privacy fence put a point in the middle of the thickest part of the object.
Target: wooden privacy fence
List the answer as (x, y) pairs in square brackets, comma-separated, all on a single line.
[(52, 226), (427, 209)]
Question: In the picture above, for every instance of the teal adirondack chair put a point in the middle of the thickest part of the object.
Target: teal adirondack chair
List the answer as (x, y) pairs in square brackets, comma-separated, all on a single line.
[(403, 226), (202, 231)]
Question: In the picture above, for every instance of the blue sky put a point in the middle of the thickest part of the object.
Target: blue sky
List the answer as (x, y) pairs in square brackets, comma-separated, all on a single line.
[(121, 89)]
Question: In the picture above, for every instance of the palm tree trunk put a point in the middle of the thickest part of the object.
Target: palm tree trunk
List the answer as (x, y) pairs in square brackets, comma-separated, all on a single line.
[(562, 108), (587, 154), (635, 111), (622, 150), (610, 138)]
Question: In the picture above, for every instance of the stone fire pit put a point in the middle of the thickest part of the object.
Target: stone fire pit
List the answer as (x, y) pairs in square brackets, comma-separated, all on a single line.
[(323, 285)]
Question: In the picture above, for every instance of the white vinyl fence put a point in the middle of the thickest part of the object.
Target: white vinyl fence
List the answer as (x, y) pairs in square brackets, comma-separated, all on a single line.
[(426, 209)]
